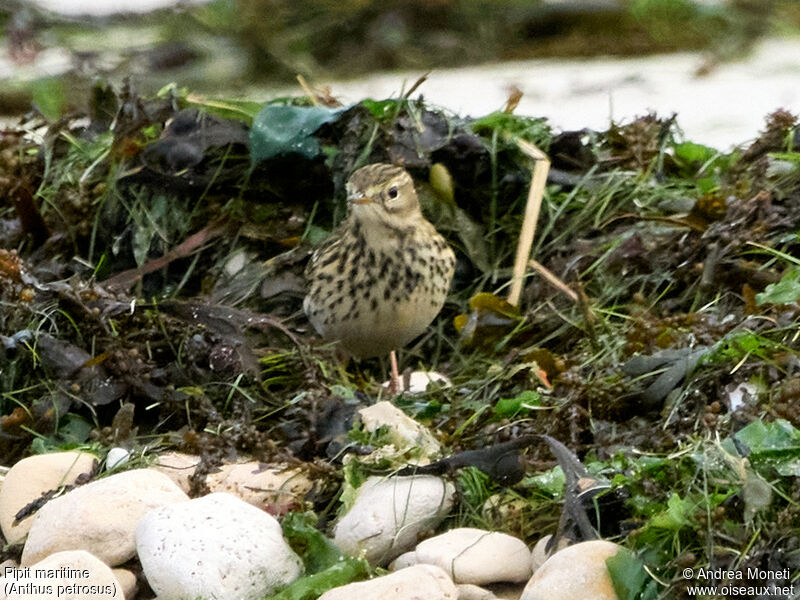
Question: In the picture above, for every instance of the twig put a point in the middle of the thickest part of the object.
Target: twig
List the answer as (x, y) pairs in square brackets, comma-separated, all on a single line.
[(189, 246), (552, 279), (535, 195), (514, 96), (422, 79), (319, 96), (308, 91)]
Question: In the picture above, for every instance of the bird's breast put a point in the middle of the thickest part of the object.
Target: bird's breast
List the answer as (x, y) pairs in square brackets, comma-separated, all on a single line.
[(375, 297)]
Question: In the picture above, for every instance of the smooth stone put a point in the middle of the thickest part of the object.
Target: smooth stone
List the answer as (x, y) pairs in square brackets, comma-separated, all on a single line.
[(477, 556), (406, 559), (178, 466), (127, 581), (404, 432), (28, 479), (578, 571), (420, 582), (390, 514), (469, 591), (117, 457), (539, 554), (100, 517), (106, 585), (275, 489), (217, 547)]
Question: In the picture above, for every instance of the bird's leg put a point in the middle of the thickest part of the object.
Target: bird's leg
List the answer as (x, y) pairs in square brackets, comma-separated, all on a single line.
[(395, 386)]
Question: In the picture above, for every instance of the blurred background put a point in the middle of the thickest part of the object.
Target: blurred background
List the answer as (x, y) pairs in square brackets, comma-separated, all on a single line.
[(722, 65)]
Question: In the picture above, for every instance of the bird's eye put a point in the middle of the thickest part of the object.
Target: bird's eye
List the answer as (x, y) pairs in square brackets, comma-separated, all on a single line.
[(393, 192)]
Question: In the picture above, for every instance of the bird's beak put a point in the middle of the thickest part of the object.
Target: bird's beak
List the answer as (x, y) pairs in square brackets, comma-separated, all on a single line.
[(362, 200)]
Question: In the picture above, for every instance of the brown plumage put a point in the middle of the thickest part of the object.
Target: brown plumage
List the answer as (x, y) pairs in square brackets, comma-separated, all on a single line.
[(383, 275)]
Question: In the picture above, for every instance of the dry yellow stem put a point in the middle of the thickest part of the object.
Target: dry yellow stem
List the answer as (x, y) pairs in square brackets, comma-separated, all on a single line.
[(535, 195)]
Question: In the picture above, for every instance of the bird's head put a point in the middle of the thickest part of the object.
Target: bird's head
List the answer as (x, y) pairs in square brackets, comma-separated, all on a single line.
[(383, 194)]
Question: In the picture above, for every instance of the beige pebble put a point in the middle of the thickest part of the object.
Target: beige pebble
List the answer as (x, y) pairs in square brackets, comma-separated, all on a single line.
[(390, 514), (275, 489), (177, 466), (127, 581), (414, 583), (100, 517), (477, 556), (578, 571), (28, 479), (403, 431), (469, 591)]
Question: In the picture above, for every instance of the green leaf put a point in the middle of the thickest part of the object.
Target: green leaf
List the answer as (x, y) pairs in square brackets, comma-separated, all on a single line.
[(508, 408), (73, 431), (310, 587), (706, 185), (676, 516), (316, 235), (775, 445), (631, 581), (383, 109), (49, 96), (287, 129), (787, 290), (241, 110), (353, 478), (533, 130), (787, 156), (551, 482), (316, 550), (691, 152)]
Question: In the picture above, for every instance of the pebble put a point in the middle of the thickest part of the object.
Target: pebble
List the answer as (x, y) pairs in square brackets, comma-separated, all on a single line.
[(179, 467), (127, 581), (468, 591), (477, 556), (414, 583), (390, 514), (28, 479), (406, 559), (217, 547), (95, 580), (578, 571), (117, 457), (539, 553), (99, 517), (404, 432), (275, 489)]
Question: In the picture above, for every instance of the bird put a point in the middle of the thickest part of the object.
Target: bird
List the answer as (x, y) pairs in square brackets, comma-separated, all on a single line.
[(383, 275)]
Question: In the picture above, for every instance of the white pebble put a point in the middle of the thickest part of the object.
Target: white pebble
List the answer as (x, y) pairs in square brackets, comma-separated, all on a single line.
[(477, 556), (217, 547), (116, 457), (390, 514)]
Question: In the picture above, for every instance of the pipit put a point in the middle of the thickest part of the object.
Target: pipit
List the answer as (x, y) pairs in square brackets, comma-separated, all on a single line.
[(383, 275)]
